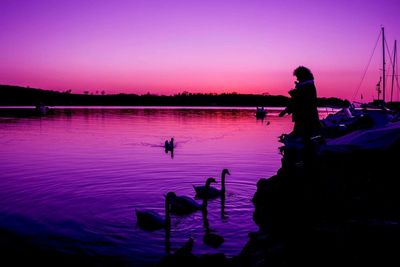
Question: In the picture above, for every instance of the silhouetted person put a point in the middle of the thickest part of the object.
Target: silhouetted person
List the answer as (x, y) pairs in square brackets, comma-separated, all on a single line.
[(303, 105)]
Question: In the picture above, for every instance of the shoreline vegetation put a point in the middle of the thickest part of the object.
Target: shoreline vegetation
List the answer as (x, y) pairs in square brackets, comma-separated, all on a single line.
[(25, 96)]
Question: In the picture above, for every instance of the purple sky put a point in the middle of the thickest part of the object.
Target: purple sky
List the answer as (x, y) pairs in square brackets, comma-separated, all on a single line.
[(165, 47)]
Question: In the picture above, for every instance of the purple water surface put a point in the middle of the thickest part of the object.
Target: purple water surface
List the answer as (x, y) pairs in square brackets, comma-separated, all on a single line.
[(72, 180)]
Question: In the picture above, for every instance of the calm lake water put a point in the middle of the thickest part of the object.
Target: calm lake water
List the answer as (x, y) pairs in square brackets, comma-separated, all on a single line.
[(71, 181)]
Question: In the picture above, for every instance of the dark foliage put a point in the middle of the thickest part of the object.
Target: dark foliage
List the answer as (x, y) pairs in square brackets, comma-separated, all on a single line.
[(21, 96)]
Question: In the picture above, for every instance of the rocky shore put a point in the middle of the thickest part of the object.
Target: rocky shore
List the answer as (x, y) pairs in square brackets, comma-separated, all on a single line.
[(324, 207), (328, 208)]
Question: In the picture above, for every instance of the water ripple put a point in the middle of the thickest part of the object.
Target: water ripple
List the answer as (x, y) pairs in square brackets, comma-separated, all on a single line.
[(73, 180)]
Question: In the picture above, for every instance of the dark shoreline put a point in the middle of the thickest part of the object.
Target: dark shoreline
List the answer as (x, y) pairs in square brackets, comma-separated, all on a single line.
[(21, 96), (335, 209)]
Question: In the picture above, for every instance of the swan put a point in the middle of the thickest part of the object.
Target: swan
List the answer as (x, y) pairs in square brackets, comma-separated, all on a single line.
[(151, 220), (212, 192), (182, 205)]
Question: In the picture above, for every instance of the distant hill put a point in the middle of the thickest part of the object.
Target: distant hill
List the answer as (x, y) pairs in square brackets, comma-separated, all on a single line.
[(22, 96)]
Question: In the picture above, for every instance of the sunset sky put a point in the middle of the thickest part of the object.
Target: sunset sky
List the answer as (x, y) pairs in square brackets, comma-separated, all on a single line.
[(170, 46)]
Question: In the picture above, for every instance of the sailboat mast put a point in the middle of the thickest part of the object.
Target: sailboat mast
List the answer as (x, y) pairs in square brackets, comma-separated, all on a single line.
[(383, 64), (393, 69)]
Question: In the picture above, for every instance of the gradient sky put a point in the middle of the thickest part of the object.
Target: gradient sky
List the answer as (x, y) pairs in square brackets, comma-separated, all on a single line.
[(170, 46)]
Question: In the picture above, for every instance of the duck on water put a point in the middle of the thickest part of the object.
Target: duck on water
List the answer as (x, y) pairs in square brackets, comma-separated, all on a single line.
[(169, 145)]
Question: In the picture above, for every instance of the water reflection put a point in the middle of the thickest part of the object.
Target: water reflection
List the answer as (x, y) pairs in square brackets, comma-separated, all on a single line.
[(210, 238), (223, 216), (168, 240)]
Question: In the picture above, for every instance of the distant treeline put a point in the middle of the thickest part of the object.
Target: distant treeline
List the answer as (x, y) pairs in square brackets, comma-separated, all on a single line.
[(22, 96)]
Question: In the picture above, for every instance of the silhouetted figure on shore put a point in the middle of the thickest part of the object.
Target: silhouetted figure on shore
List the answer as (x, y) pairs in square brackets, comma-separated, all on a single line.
[(303, 105)]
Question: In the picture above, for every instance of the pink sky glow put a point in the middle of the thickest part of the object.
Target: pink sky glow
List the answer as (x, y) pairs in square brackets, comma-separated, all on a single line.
[(170, 46)]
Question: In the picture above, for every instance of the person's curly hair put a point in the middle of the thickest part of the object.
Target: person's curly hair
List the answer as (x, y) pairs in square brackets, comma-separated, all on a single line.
[(303, 74)]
